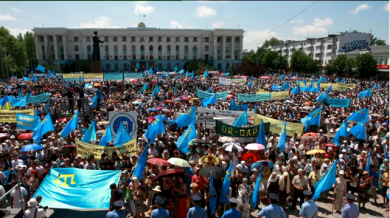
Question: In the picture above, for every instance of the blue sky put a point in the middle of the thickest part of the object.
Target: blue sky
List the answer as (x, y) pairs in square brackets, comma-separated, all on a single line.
[(256, 18)]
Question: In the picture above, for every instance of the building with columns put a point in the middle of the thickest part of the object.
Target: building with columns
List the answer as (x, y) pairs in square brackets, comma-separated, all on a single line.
[(123, 48)]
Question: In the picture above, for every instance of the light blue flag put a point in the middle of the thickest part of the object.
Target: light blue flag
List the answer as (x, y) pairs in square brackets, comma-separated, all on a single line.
[(122, 136), (154, 129), (295, 90), (70, 188), (94, 101), (205, 74), (150, 71), (322, 97), (365, 93), (80, 78), (188, 135), (187, 74), (343, 80), (337, 80), (313, 119), (329, 88), (187, 118), (176, 69), (359, 130), (26, 79), (326, 182), (211, 100), (41, 68), (20, 93), (304, 81), (144, 88), (177, 76), (376, 86), (226, 74), (18, 102), (156, 90), (36, 112), (167, 74), (137, 65), (242, 120), (261, 136), (51, 74), (6, 173), (27, 122), (47, 106), (249, 84), (107, 136), (35, 78), (225, 189), (343, 131), (193, 75), (72, 124), (255, 108), (283, 137), (257, 188), (282, 76), (141, 164), (45, 126), (359, 115), (368, 162), (213, 196), (181, 71), (251, 78), (90, 134), (296, 75), (209, 90), (285, 86)]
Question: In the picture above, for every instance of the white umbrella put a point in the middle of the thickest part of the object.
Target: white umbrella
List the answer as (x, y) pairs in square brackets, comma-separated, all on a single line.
[(178, 162), (232, 147), (255, 147)]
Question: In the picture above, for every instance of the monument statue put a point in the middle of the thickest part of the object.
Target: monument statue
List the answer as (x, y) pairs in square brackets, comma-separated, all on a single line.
[(96, 47)]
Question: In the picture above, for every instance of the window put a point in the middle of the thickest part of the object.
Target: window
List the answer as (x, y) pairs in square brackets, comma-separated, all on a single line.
[(123, 38), (62, 57), (133, 38), (219, 39), (168, 39), (177, 39), (206, 48), (227, 66), (186, 48), (88, 48), (133, 48), (177, 57), (106, 39), (159, 39), (115, 39), (61, 48), (219, 66), (159, 57), (328, 54), (76, 48), (177, 48), (195, 39), (159, 48), (185, 57), (124, 57), (151, 57), (142, 48), (51, 48), (88, 38), (185, 39), (206, 39), (150, 38), (77, 57), (106, 49), (124, 49), (115, 48), (116, 66), (195, 48), (168, 48), (142, 39), (151, 48), (50, 38), (134, 57), (76, 39), (108, 67)]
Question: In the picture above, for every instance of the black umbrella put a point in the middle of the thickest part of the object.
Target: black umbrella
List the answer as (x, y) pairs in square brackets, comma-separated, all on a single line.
[(217, 172), (232, 147)]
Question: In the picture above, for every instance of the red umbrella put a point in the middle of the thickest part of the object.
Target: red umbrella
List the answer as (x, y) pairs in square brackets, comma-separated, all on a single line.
[(186, 80), (294, 77), (331, 145), (25, 135), (265, 77), (159, 162), (63, 120), (171, 172), (229, 96), (57, 95), (312, 134), (247, 155)]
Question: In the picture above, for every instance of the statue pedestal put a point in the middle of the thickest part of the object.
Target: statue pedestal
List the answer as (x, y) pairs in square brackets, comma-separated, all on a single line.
[(96, 66)]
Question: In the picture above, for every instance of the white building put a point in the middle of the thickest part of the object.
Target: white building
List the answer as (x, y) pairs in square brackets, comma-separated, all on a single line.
[(123, 48), (324, 49)]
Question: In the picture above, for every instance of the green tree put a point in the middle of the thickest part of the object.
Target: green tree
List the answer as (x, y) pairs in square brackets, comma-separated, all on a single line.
[(29, 44), (340, 64), (312, 66), (350, 69), (270, 59), (83, 65), (299, 61), (329, 69), (197, 66), (375, 41), (272, 41), (366, 66)]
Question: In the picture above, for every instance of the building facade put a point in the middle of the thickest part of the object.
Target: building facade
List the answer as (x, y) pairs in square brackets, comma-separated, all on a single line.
[(123, 48), (325, 49), (380, 54)]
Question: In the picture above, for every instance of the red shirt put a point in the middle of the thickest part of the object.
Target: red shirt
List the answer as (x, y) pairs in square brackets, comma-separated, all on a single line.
[(200, 180)]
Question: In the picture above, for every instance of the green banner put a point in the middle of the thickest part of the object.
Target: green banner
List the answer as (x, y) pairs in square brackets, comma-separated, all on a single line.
[(203, 94), (231, 131), (254, 97)]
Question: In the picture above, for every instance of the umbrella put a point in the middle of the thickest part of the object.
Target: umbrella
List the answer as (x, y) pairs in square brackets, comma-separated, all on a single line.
[(205, 159), (229, 96), (312, 134), (152, 109), (178, 162), (331, 145), (171, 172), (31, 147), (63, 120), (2, 135), (312, 152), (307, 107), (194, 99), (169, 101), (259, 164), (165, 110), (136, 102), (25, 136), (159, 162), (186, 80), (217, 172), (96, 85), (265, 77), (232, 147), (288, 101), (247, 155), (103, 122), (100, 132), (307, 104), (255, 147), (201, 141)]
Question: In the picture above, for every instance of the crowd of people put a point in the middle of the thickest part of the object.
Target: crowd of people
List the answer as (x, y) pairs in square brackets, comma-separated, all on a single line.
[(288, 177)]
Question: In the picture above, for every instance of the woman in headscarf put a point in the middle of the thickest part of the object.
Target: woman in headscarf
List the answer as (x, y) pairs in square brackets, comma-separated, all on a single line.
[(340, 191), (273, 184), (284, 188), (244, 196)]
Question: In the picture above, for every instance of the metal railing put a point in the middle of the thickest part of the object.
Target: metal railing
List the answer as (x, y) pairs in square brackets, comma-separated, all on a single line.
[(19, 184), (69, 105)]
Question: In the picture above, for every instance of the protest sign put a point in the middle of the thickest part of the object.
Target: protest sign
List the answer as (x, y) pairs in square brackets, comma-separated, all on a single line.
[(276, 125), (9, 116), (86, 149), (232, 131)]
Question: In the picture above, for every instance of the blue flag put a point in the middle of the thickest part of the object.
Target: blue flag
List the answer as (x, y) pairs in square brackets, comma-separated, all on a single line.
[(187, 74), (193, 75), (209, 90), (175, 89), (187, 118), (72, 124), (176, 69), (283, 137), (343, 80), (35, 78), (90, 134), (249, 84), (167, 74), (295, 90), (20, 93), (326, 182), (150, 71), (188, 135), (27, 122), (205, 74), (337, 80), (70, 188), (51, 74), (43, 128), (154, 129), (359, 115), (285, 86), (282, 76), (256, 190), (359, 130), (251, 78), (156, 90), (94, 101), (181, 71), (368, 162), (213, 196), (365, 93), (137, 65), (242, 120), (225, 189), (18, 102), (26, 79), (261, 136), (80, 78), (41, 68), (211, 100), (313, 119), (322, 97), (329, 88), (107, 136), (141, 164), (342, 132), (122, 136), (6, 173), (144, 88)]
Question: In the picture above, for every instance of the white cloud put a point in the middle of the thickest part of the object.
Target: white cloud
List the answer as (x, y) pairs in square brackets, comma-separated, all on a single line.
[(259, 35), (386, 7), (16, 31), (35, 16), (142, 8), (17, 10), (299, 20), (360, 8), (100, 22), (317, 28), (176, 25), (218, 24), (205, 11), (6, 17)]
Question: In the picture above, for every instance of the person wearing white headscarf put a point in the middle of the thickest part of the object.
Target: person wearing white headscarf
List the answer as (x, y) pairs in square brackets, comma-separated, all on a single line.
[(273, 183), (284, 188)]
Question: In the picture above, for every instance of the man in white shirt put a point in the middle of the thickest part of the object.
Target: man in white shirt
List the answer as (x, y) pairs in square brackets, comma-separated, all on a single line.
[(152, 151), (33, 211), (16, 202), (15, 162), (90, 165)]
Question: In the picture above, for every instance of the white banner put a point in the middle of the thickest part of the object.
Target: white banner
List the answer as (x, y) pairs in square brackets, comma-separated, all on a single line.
[(224, 81), (209, 121), (228, 82), (221, 113)]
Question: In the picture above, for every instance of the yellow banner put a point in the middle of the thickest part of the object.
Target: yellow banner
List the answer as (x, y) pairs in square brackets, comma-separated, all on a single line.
[(71, 76), (276, 125), (8, 116), (261, 91), (278, 95), (86, 149), (96, 76), (308, 84), (338, 86)]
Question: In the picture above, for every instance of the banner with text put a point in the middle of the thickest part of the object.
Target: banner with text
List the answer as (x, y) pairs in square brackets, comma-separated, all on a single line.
[(232, 131), (338, 86), (129, 76), (71, 77), (221, 113), (220, 95), (113, 76), (38, 98), (86, 149), (278, 95), (93, 76), (8, 116), (228, 82), (338, 102), (276, 125), (254, 97)]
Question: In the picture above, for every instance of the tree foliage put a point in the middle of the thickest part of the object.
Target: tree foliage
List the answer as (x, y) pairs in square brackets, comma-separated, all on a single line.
[(83, 65), (366, 65), (197, 66), (272, 41), (375, 41), (299, 61)]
